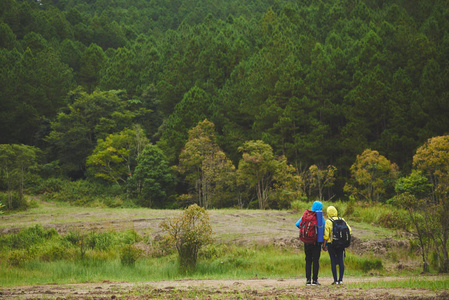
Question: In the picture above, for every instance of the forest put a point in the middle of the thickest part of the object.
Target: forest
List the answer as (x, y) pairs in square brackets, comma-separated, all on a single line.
[(250, 104)]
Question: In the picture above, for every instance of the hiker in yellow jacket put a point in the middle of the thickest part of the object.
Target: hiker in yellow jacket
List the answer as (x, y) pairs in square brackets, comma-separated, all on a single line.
[(335, 254)]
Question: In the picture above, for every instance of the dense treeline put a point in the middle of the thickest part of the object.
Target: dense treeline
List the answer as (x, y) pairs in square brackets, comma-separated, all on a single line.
[(317, 81)]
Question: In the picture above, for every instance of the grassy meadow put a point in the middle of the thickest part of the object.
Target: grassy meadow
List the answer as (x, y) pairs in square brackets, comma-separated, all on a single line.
[(36, 253)]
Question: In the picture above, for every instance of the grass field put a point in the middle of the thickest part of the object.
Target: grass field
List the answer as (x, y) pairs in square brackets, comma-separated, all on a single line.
[(42, 246)]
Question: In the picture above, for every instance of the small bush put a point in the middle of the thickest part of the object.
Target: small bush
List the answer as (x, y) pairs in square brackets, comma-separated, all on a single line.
[(48, 186), (12, 201), (55, 252), (128, 237), (87, 193), (394, 220), (300, 206), (78, 239), (188, 232), (30, 236), (368, 264), (99, 241), (113, 202), (161, 247), (129, 255), (209, 252), (17, 258), (350, 206)]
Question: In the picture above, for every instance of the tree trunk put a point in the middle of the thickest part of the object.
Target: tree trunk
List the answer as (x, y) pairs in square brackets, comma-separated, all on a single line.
[(259, 194), (445, 267)]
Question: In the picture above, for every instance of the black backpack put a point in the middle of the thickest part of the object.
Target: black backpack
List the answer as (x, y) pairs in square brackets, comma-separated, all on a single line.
[(341, 237)]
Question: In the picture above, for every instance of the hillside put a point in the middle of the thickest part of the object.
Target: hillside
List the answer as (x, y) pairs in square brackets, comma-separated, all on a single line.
[(318, 81)]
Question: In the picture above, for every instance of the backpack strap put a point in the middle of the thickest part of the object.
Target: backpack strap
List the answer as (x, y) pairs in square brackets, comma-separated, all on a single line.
[(332, 220)]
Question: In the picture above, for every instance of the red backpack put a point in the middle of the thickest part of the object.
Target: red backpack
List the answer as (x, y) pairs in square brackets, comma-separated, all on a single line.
[(308, 228)]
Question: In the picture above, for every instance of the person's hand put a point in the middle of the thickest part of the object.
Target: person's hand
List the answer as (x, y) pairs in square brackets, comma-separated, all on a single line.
[(324, 247)]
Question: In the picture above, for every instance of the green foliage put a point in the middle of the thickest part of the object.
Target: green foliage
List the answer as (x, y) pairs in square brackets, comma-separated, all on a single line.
[(100, 240), (17, 163), (17, 203), (300, 206), (91, 63), (372, 174), (364, 264), (113, 158), (36, 244), (264, 172), (89, 117), (206, 168), (317, 81), (88, 193), (188, 233), (17, 258), (153, 179), (79, 240), (383, 215), (432, 159), (53, 258), (368, 265), (194, 108), (396, 220), (48, 186), (55, 251), (318, 179), (26, 238), (129, 255), (415, 184)]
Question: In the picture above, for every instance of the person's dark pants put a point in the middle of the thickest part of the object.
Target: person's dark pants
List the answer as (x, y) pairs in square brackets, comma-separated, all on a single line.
[(313, 252), (336, 256)]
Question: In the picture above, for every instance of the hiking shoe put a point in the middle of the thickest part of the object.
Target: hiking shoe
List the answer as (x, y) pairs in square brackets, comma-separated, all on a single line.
[(335, 282), (316, 283), (308, 282), (340, 282)]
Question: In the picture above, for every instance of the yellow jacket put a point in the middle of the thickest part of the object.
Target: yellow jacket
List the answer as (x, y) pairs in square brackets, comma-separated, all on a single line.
[(331, 214)]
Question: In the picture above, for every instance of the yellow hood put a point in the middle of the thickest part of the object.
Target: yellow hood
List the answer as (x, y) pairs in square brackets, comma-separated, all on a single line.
[(332, 212)]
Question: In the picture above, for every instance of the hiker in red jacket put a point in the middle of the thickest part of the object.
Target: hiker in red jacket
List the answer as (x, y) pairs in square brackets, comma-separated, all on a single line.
[(312, 249)]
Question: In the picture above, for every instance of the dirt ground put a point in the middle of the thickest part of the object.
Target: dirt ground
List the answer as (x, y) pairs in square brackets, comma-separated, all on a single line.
[(220, 289), (234, 226)]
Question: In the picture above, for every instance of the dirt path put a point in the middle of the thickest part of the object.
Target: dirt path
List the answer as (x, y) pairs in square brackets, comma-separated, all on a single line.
[(223, 289)]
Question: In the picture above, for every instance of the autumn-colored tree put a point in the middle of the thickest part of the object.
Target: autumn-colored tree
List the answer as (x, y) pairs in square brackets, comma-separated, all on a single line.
[(205, 165), (432, 159), (260, 169), (188, 233), (371, 175), (318, 179), (287, 187)]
